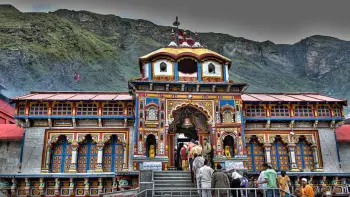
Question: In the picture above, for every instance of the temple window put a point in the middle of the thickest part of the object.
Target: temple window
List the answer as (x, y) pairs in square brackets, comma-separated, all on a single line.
[(152, 113), (187, 66), (337, 111), (130, 110), (38, 109), (279, 156), (62, 109), (113, 155), (22, 109), (86, 109), (256, 157), (161, 137), (303, 110), (323, 111), (279, 110), (61, 156), (304, 155), (255, 110), (228, 116), (211, 68), (163, 67), (162, 115), (115, 109), (87, 155)]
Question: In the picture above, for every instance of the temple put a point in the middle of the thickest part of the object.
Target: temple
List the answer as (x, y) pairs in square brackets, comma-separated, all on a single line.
[(88, 143)]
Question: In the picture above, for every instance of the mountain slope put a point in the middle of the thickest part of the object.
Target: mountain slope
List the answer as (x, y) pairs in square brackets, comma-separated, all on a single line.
[(41, 51)]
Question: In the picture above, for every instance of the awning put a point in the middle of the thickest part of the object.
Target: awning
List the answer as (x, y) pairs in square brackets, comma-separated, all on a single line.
[(343, 133), (10, 132)]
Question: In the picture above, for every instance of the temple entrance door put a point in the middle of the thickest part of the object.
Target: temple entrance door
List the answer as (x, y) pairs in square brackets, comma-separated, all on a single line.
[(188, 123)]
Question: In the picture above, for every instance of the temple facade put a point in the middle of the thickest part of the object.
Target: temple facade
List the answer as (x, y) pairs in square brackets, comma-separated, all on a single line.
[(88, 143)]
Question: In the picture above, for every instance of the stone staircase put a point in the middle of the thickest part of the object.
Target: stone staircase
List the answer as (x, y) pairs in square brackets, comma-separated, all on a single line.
[(168, 180)]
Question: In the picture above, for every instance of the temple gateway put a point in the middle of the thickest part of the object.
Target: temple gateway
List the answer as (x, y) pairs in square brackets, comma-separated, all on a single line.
[(88, 143)]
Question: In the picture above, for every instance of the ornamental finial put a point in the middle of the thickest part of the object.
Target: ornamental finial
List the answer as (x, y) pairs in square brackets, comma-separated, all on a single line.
[(172, 38)]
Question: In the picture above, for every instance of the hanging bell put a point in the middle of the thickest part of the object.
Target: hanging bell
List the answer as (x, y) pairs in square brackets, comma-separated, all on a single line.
[(187, 123)]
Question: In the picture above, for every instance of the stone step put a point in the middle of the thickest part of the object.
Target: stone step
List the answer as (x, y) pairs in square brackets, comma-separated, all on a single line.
[(167, 176), (173, 185), (184, 193)]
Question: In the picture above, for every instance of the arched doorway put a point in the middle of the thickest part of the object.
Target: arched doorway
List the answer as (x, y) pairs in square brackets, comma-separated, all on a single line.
[(151, 146), (229, 146), (189, 123)]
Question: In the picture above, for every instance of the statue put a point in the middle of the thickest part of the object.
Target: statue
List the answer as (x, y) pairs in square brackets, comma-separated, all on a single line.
[(227, 152), (151, 151), (4, 183)]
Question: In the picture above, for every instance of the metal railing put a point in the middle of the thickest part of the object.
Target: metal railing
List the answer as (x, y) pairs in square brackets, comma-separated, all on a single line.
[(218, 192)]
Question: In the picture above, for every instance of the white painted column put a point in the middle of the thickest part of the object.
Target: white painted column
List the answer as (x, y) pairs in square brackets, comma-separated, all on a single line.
[(315, 157), (292, 161), (48, 158), (73, 165), (98, 167), (267, 148)]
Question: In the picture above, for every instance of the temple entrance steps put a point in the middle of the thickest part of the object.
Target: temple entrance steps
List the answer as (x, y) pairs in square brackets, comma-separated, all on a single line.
[(168, 180)]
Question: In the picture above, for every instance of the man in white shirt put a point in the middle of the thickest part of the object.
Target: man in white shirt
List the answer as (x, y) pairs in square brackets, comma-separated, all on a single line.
[(263, 186), (204, 176)]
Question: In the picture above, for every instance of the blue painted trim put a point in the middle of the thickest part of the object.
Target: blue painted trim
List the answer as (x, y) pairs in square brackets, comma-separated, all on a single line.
[(199, 71), (152, 100), (77, 117), (22, 145), (336, 144), (150, 70), (113, 154), (176, 71), (243, 126), (136, 120), (225, 75)]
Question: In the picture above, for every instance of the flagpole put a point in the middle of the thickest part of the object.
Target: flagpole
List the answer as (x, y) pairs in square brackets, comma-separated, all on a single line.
[(177, 23)]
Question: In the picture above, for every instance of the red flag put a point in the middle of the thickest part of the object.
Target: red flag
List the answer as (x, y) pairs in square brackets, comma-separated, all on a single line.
[(189, 40), (76, 77)]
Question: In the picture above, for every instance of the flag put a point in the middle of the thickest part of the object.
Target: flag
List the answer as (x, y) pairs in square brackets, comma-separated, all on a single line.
[(189, 40), (76, 76)]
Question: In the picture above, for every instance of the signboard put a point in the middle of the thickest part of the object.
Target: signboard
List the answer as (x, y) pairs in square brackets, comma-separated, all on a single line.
[(40, 123), (230, 165), (62, 123), (157, 166)]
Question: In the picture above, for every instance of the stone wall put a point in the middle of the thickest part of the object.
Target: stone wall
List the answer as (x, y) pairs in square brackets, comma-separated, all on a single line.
[(329, 150), (33, 150), (10, 152), (344, 152)]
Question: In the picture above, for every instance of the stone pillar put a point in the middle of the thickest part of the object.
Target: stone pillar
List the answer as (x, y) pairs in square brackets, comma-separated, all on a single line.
[(267, 147), (315, 157), (48, 159), (292, 161), (98, 167), (73, 165)]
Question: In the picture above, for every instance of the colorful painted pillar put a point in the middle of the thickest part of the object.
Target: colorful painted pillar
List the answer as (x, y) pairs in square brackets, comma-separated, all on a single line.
[(315, 157), (291, 151), (42, 187), (71, 186), (57, 187), (27, 186)]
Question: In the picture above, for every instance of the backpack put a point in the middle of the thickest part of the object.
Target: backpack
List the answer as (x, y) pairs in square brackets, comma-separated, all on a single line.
[(244, 182)]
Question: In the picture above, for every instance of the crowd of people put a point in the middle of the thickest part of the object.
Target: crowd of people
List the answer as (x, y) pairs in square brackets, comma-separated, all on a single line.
[(198, 159)]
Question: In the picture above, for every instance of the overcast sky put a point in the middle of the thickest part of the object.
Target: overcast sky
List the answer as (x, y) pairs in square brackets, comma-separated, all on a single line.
[(280, 21)]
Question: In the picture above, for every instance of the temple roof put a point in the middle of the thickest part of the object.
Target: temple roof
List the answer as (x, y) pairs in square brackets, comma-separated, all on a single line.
[(75, 96), (10, 132), (178, 52), (289, 97), (117, 96)]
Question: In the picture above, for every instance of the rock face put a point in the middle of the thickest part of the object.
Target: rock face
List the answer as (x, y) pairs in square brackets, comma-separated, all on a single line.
[(42, 51)]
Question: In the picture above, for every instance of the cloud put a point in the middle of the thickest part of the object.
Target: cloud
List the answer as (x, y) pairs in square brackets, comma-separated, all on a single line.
[(42, 8)]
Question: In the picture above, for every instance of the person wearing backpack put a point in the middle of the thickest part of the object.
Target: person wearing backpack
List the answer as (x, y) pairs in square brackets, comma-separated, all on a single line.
[(244, 183)]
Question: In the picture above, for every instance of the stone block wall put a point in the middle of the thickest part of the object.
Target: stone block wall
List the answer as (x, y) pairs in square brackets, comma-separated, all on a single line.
[(33, 150), (10, 152), (344, 152), (329, 150), (131, 148)]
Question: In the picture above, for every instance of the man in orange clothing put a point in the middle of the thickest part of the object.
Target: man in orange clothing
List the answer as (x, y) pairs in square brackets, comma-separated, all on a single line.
[(305, 189)]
